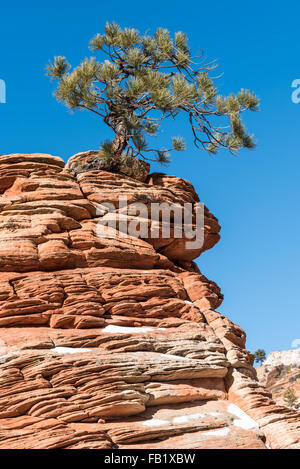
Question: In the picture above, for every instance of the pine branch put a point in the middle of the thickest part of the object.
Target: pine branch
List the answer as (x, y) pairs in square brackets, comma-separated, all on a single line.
[(143, 80)]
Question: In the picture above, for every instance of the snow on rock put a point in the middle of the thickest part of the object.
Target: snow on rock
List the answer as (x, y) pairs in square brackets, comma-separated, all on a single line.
[(128, 330), (187, 418), (155, 423), (174, 357), (188, 302), (220, 432), (63, 350), (243, 420), (175, 420)]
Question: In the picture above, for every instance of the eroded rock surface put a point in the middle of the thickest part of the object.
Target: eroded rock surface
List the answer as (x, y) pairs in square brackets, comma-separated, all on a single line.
[(280, 372), (112, 341)]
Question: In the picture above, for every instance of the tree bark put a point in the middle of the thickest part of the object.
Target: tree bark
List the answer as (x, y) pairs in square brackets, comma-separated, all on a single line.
[(120, 140)]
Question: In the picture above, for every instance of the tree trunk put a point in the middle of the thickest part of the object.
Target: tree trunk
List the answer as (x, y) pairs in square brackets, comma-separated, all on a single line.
[(120, 140)]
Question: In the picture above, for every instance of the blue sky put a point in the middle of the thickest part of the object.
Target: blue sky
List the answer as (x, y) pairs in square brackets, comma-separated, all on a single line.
[(255, 196)]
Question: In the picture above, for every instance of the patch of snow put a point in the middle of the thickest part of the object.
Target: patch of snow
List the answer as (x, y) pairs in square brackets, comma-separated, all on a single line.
[(63, 350), (243, 420), (220, 432), (155, 423), (268, 446), (187, 418), (214, 414), (126, 330), (174, 357), (188, 302)]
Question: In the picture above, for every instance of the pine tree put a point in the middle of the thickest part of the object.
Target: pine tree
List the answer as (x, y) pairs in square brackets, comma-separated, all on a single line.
[(290, 397), (260, 356), (145, 79)]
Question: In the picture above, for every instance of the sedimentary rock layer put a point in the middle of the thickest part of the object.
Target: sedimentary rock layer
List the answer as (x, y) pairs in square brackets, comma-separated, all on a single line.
[(280, 373), (108, 340)]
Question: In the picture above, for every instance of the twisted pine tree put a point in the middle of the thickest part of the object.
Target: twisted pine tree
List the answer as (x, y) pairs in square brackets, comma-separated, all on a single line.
[(146, 79)]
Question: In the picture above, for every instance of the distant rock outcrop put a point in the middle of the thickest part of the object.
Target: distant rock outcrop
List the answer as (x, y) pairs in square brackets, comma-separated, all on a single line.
[(285, 358), (114, 341), (280, 372)]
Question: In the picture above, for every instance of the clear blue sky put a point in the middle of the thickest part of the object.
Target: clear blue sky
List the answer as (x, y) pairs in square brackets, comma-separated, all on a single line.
[(255, 196)]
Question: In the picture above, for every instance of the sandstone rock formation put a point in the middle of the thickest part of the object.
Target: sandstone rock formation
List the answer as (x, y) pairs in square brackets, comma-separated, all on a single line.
[(284, 357), (279, 372), (114, 341)]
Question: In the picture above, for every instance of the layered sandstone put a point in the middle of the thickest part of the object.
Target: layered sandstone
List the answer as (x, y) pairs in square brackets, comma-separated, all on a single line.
[(280, 372), (112, 341)]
